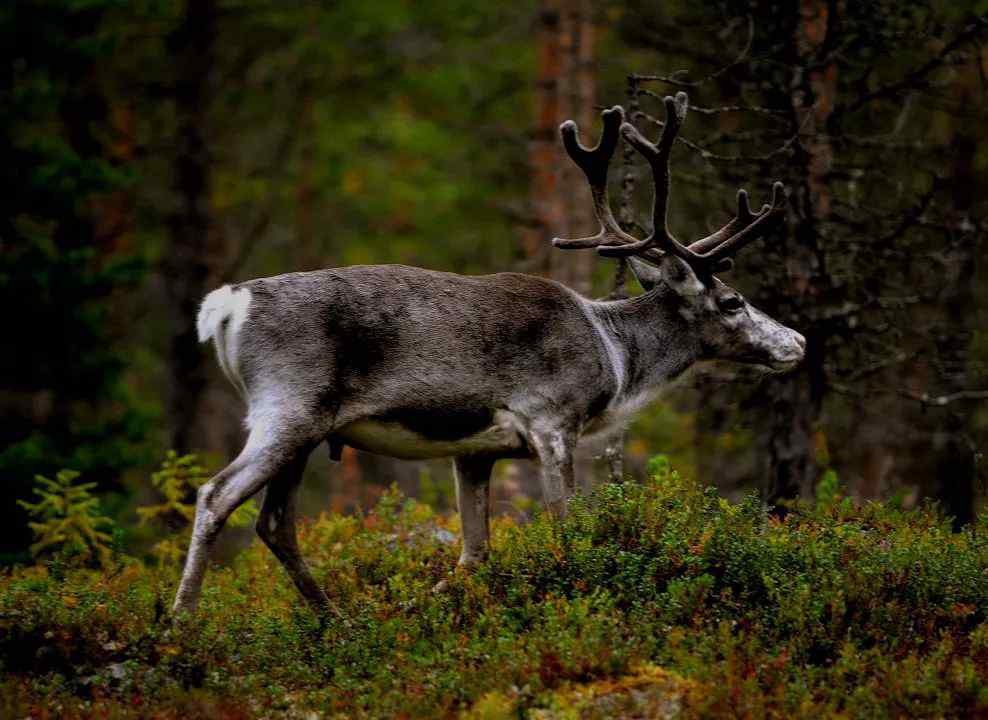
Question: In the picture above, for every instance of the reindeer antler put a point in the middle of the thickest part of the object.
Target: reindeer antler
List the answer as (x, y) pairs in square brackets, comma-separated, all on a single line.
[(594, 163), (658, 159), (745, 228), (706, 255)]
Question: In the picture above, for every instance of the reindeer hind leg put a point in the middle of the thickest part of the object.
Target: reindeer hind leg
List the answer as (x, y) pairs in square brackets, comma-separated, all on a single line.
[(266, 454), (276, 527), (473, 498)]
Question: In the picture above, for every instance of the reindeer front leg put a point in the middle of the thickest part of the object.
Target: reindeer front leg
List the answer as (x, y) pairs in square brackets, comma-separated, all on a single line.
[(554, 448)]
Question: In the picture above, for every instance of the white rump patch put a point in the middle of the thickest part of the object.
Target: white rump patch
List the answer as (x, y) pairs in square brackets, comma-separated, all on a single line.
[(225, 305)]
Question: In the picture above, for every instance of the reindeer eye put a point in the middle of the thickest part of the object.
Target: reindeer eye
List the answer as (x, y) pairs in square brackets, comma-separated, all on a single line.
[(731, 304)]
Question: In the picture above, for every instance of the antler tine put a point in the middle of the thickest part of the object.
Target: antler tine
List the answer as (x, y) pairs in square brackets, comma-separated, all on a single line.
[(658, 158), (594, 163), (757, 228), (708, 255), (743, 218)]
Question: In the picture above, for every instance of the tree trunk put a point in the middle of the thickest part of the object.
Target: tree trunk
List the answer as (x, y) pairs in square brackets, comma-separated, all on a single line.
[(559, 198), (305, 190), (953, 448), (193, 256), (114, 212), (576, 100), (796, 399), (542, 154), (565, 88)]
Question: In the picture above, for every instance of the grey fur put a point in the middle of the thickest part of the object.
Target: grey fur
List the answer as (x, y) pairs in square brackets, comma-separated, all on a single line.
[(416, 363)]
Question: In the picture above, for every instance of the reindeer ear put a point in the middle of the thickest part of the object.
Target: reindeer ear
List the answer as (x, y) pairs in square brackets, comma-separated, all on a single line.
[(679, 276), (648, 276)]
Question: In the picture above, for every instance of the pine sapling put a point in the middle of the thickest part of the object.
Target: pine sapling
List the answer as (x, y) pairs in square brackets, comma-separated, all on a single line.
[(67, 520)]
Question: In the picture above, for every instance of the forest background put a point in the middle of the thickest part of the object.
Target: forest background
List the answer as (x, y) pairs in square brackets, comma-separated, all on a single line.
[(154, 150)]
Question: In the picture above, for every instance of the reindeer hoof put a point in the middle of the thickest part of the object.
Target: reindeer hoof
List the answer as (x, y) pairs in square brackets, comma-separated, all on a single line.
[(464, 566), (442, 586), (181, 616)]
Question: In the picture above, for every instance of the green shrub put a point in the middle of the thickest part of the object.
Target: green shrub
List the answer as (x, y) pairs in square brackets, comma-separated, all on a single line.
[(178, 480), (66, 520), (660, 594)]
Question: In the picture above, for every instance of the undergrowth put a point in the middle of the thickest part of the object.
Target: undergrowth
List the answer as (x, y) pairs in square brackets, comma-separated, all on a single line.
[(719, 608)]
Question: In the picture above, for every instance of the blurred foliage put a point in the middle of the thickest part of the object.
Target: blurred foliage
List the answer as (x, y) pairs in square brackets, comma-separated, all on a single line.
[(343, 133), (658, 593), (177, 482), (884, 276), (828, 490), (399, 132), (65, 269), (383, 132), (67, 520)]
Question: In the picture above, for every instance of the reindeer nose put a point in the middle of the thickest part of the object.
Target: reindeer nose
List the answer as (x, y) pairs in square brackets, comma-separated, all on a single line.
[(801, 345), (788, 356)]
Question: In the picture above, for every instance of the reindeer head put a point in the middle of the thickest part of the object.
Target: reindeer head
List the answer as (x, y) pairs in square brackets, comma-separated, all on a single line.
[(724, 325)]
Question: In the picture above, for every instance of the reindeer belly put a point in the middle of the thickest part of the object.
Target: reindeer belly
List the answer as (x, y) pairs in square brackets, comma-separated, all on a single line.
[(410, 439)]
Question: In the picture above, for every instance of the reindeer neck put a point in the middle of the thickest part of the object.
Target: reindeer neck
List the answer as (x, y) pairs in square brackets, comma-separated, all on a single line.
[(655, 342)]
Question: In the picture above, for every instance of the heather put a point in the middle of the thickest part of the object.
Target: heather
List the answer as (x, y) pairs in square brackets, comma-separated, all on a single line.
[(652, 599)]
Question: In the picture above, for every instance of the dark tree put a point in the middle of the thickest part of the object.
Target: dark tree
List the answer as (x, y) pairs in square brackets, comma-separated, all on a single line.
[(191, 263), (849, 104), (66, 267)]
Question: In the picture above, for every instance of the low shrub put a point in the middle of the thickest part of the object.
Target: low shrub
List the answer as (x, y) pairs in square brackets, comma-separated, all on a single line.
[(661, 594), (177, 481), (67, 521)]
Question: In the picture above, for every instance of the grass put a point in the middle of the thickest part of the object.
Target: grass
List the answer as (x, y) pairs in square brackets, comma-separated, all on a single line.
[(652, 600)]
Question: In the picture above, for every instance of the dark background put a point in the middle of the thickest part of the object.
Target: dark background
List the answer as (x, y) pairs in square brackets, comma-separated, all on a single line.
[(155, 150)]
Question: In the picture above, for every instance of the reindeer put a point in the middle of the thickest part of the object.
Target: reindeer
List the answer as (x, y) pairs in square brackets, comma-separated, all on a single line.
[(416, 363)]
